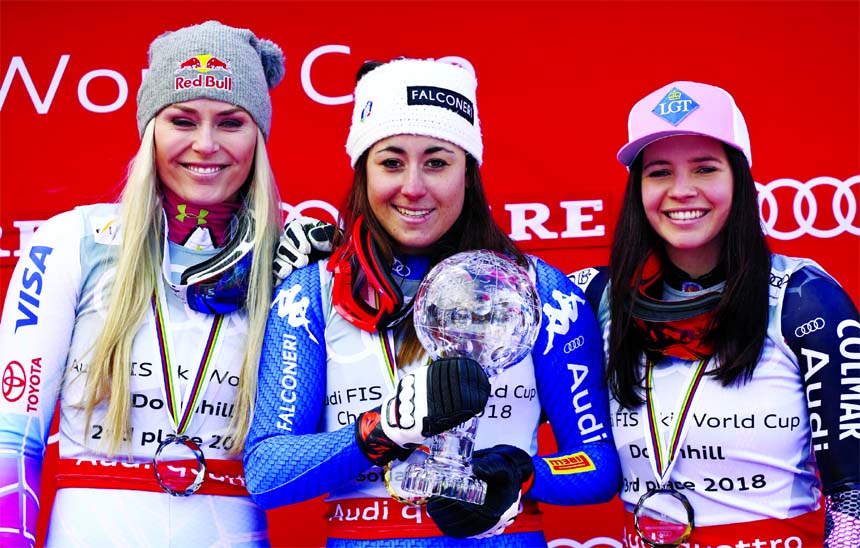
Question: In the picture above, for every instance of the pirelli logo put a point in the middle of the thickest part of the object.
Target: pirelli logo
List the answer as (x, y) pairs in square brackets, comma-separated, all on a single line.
[(570, 464)]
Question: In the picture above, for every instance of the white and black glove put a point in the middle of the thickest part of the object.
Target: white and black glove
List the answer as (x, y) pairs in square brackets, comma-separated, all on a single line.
[(425, 402), (508, 471), (304, 240)]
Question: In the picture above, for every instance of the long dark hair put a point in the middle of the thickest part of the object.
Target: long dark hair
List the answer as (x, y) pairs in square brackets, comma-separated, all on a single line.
[(740, 318), (474, 228)]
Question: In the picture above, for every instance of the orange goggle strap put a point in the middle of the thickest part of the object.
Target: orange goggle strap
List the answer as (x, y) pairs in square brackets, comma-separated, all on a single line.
[(673, 328), (361, 252)]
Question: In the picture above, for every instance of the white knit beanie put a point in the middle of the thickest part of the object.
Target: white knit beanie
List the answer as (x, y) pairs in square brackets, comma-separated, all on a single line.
[(416, 97)]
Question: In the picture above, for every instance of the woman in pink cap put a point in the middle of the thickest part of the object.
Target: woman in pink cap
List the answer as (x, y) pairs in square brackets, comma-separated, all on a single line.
[(727, 363)]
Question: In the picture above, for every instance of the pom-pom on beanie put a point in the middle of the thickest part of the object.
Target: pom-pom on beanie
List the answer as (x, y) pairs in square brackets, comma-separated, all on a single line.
[(416, 97), (211, 61)]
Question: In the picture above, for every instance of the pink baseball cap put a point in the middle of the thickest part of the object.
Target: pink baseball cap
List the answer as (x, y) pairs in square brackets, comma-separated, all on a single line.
[(685, 108)]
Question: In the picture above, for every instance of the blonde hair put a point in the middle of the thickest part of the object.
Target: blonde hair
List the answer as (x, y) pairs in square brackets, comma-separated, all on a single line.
[(138, 265)]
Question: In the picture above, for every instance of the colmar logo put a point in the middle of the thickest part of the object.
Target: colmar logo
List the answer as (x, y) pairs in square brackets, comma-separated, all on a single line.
[(570, 464), (675, 106), (206, 67)]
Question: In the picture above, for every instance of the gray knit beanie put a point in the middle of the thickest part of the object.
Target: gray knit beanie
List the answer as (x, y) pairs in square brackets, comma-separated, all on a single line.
[(211, 61)]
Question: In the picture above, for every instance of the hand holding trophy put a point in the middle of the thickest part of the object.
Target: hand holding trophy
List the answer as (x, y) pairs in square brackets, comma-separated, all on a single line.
[(483, 306)]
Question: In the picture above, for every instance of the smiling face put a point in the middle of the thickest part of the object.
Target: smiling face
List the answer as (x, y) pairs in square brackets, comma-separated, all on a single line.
[(687, 188), (416, 187), (204, 150)]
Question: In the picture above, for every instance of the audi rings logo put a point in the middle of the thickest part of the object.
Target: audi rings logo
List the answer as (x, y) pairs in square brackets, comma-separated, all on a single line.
[(14, 379), (573, 344), (809, 327), (806, 208), (597, 542), (400, 269), (298, 210), (778, 281)]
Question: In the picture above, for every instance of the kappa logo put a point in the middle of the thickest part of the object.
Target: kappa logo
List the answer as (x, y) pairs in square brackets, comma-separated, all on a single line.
[(809, 327), (294, 310), (675, 106), (559, 319)]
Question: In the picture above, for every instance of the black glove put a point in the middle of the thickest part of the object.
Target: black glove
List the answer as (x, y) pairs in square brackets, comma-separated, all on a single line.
[(304, 240), (425, 402), (505, 468)]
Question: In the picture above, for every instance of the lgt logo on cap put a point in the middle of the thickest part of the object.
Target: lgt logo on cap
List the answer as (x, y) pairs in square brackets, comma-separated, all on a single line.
[(675, 106)]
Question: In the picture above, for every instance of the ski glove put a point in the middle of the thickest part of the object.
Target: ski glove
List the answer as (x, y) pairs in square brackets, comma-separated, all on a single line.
[(425, 402), (508, 471), (304, 240)]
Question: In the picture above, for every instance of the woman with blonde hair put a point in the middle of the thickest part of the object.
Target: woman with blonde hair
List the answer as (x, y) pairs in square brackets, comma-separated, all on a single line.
[(150, 317)]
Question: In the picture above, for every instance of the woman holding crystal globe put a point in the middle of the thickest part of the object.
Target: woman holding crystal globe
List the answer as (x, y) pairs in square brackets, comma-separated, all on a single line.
[(727, 363), (346, 392)]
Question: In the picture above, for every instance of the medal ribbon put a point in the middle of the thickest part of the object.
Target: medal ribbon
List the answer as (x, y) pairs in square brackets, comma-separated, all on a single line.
[(181, 412), (664, 455), (386, 339)]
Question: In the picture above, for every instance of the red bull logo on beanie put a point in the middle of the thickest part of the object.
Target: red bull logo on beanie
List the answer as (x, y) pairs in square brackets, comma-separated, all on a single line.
[(675, 106), (208, 72), (204, 63)]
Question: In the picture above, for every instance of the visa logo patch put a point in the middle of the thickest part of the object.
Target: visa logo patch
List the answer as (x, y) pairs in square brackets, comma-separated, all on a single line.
[(570, 464), (675, 106)]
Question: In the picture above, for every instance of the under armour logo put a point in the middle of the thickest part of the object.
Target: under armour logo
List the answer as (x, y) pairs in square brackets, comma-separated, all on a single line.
[(201, 217)]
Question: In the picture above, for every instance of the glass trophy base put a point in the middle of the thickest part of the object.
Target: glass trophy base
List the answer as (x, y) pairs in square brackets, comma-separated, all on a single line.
[(428, 479)]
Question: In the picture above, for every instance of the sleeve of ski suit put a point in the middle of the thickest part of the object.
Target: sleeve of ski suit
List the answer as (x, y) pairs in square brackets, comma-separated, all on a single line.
[(35, 333), (820, 324), (287, 458), (574, 397)]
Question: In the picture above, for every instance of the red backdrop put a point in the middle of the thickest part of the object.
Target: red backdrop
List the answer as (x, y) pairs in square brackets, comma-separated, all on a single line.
[(556, 80)]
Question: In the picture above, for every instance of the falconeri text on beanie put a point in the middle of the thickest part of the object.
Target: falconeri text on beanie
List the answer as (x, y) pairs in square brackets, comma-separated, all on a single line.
[(211, 61), (416, 97)]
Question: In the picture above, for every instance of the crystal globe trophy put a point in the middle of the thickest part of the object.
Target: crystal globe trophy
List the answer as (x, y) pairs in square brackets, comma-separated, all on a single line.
[(480, 305)]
